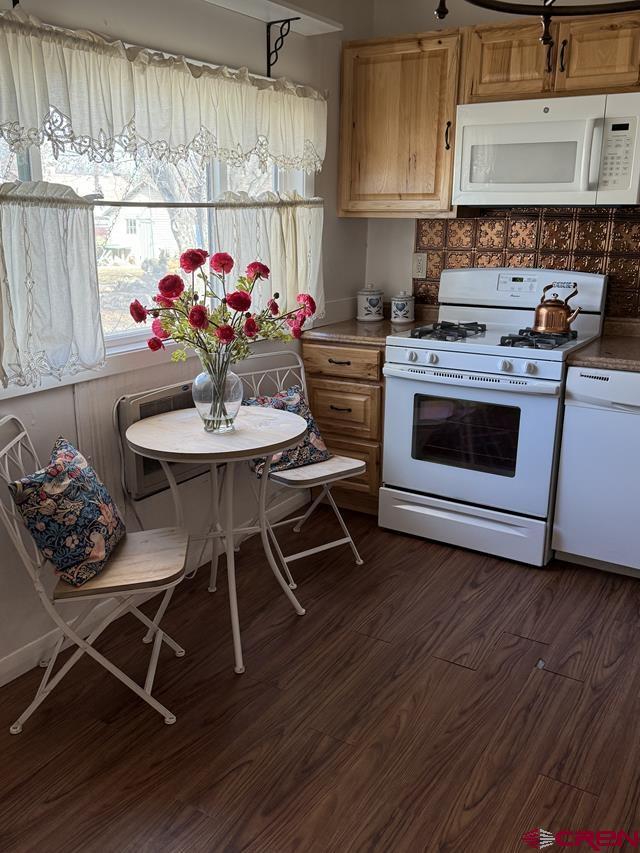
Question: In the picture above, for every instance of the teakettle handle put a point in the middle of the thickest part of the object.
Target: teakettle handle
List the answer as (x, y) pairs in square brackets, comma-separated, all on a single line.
[(545, 289), (572, 294)]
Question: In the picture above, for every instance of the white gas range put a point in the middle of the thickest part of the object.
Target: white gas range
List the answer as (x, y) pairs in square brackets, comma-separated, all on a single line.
[(473, 409)]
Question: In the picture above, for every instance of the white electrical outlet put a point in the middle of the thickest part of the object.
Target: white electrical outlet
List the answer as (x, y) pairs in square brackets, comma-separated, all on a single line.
[(419, 265)]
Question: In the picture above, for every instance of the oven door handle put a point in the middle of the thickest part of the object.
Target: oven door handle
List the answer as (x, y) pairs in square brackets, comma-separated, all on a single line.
[(463, 379)]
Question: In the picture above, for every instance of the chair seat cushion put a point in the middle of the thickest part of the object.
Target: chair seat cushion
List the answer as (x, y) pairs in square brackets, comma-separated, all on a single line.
[(336, 468), (70, 514), (311, 448)]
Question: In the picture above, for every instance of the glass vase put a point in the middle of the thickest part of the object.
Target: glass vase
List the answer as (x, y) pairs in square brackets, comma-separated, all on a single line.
[(217, 394)]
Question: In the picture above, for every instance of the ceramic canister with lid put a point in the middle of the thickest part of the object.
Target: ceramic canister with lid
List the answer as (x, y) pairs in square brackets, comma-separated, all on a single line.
[(370, 304), (402, 307)]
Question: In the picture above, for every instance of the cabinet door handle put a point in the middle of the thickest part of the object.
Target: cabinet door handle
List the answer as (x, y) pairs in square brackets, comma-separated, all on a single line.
[(337, 361), (446, 136), (563, 50), (338, 409), (549, 58)]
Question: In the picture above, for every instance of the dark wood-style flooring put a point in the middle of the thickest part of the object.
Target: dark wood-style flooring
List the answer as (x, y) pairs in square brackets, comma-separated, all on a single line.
[(431, 700)]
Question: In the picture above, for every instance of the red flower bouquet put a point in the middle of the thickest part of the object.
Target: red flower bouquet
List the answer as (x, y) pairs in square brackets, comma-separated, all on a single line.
[(219, 324)]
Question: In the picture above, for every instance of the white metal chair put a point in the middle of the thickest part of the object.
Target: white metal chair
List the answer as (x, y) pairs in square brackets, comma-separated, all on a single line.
[(288, 371), (144, 563)]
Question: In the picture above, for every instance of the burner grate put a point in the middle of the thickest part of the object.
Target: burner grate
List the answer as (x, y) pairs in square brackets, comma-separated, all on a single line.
[(538, 340), (447, 331)]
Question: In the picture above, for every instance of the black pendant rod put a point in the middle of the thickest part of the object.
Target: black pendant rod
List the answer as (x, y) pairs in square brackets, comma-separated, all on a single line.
[(274, 50)]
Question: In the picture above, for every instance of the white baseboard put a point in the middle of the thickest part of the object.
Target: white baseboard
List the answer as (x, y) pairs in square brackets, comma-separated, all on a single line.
[(29, 656)]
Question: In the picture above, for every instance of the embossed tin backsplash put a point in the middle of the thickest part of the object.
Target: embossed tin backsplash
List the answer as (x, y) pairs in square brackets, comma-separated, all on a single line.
[(592, 239)]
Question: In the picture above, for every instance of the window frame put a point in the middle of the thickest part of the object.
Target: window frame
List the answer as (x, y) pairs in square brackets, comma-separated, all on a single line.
[(132, 341)]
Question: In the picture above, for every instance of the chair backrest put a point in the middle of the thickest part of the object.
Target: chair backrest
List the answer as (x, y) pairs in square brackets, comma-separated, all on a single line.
[(17, 459), (285, 368)]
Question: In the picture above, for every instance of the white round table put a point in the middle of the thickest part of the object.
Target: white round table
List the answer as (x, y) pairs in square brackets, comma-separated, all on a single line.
[(180, 437)]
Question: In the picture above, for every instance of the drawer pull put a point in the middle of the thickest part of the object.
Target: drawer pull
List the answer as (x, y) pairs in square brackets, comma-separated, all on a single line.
[(337, 361), (338, 409)]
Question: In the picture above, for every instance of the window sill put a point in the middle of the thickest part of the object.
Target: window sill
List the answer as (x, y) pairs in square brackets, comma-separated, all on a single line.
[(122, 357)]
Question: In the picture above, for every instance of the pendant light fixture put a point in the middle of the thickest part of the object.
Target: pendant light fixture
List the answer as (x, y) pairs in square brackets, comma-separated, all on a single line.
[(545, 11)]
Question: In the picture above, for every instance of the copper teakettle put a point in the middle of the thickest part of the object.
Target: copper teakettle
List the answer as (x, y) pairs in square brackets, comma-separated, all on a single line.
[(554, 315)]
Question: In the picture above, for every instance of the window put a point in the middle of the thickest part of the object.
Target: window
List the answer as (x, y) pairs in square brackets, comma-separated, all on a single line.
[(137, 244)]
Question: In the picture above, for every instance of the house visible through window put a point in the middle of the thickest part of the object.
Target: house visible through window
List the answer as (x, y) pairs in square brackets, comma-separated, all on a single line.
[(137, 245)]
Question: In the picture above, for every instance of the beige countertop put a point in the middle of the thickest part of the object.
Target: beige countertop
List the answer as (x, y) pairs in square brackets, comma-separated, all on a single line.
[(610, 352), (353, 332)]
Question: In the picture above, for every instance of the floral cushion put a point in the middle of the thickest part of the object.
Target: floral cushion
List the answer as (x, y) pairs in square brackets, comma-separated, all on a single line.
[(310, 449), (70, 514)]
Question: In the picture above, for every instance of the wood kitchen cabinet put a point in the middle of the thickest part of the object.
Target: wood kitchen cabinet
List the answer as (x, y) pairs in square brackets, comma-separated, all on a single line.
[(594, 55), (506, 62), (343, 366), (399, 98), (598, 54), (397, 122)]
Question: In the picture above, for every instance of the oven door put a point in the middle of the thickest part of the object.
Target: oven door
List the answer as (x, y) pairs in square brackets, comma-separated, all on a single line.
[(478, 438), (529, 152)]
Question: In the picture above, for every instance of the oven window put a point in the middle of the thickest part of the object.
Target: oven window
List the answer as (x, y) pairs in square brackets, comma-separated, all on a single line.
[(466, 434)]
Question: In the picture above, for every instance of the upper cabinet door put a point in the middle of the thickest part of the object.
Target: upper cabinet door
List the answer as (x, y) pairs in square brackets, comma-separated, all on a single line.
[(507, 62), (397, 125), (598, 54)]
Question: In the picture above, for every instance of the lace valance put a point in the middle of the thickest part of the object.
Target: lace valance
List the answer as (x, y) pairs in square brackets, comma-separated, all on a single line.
[(82, 93)]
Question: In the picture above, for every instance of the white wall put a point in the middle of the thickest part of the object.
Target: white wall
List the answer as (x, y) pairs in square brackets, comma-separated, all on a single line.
[(390, 242), (201, 31)]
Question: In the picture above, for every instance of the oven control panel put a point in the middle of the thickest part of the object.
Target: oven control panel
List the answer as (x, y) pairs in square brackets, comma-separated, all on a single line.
[(449, 359)]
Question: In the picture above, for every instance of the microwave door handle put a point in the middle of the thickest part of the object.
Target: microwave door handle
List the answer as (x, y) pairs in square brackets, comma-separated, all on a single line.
[(585, 166), (596, 153)]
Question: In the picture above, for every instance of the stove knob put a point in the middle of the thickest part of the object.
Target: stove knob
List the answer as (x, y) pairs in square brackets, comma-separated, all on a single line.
[(529, 367), (505, 365), (432, 358), (412, 355)]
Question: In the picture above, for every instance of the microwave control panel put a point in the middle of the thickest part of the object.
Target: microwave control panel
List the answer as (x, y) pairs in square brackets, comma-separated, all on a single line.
[(617, 153)]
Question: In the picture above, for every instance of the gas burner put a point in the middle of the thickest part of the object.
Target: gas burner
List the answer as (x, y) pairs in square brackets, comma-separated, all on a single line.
[(538, 340), (446, 331)]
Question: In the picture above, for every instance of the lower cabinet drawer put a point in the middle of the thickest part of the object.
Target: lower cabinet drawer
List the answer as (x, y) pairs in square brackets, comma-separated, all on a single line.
[(367, 451), (346, 408), (342, 362)]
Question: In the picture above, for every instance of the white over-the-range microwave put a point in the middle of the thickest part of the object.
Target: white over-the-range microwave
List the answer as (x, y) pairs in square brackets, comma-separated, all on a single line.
[(561, 151)]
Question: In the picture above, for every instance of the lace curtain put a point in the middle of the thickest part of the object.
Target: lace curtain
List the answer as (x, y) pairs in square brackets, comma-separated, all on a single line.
[(81, 93), (49, 304), (284, 232)]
